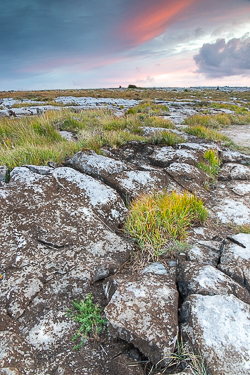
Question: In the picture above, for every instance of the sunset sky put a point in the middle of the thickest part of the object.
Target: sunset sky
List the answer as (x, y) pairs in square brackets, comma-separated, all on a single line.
[(49, 44)]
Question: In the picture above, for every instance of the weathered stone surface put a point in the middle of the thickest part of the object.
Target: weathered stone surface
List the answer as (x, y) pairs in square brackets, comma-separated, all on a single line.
[(125, 178), (97, 165), (40, 169), (229, 207), (3, 173), (203, 147), (103, 199), (164, 156), (144, 312), (206, 252), (57, 227), (231, 171), (240, 188), (133, 183), (235, 260), (16, 356), (156, 268), (56, 241), (190, 178), (194, 278), (219, 328), (228, 156)]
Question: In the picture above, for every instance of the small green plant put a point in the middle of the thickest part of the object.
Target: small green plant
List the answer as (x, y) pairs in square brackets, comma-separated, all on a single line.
[(156, 219), (212, 166), (89, 315)]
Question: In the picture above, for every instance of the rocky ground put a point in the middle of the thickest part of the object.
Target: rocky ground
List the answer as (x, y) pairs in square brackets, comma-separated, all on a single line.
[(61, 238)]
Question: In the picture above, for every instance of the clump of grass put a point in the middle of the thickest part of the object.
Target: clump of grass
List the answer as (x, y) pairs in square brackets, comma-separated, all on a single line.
[(212, 167), (69, 123), (149, 108), (209, 134), (184, 355), (89, 316), (209, 121), (156, 122), (167, 138), (155, 219)]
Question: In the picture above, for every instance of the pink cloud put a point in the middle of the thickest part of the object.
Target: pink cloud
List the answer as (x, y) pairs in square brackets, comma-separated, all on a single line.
[(151, 21)]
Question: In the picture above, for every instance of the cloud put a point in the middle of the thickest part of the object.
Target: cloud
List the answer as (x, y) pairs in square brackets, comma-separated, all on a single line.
[(149, 20), (148, 81), (221, 59)]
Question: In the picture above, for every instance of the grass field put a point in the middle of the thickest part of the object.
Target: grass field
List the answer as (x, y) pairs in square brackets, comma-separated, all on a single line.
[(36, 139)]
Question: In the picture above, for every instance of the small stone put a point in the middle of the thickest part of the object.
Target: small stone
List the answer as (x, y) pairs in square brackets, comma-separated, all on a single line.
[(156, 268)]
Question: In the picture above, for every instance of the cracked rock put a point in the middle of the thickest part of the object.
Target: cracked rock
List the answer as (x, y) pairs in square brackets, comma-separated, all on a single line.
[(194, 278), (219, 328), (144, 312)]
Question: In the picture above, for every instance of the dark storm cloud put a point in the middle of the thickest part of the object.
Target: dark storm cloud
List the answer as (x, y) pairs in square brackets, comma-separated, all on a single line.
[(222, 59)]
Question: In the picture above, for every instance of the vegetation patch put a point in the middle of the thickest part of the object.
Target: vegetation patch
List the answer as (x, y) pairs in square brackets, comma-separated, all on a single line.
[(212, 166), (36, 139), (244, 228), (150, 108), (167, 138), (209, 134), (218, 121), (184, 355), (156, 219), (89, 316)]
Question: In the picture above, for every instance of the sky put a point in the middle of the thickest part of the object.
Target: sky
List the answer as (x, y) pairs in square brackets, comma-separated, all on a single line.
[(59, 44)]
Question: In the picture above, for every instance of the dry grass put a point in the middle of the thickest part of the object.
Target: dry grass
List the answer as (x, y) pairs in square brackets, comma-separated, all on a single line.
[(36, 139), (144, 94), (156, 219), (218, 121), (209, 134)]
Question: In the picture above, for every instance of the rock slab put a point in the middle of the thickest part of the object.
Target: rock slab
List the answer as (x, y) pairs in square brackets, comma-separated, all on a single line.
[(145, 312)]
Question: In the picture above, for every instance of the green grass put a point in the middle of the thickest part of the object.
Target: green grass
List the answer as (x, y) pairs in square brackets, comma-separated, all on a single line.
[(167, 138), (156, 122), (150, 109), (36, 139), (89, 316), (213, 163), (206, 133), (155, 219), (218, 121)]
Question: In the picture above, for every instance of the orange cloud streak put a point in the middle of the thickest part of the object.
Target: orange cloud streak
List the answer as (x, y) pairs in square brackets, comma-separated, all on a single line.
[(153, 21)]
